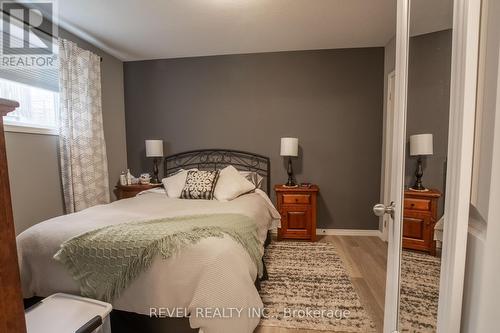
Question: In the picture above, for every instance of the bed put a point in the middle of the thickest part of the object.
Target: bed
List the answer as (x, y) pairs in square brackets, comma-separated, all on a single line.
[(215, 273)]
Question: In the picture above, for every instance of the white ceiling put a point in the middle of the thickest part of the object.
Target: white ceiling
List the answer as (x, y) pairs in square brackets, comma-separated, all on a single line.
[(151, 29)]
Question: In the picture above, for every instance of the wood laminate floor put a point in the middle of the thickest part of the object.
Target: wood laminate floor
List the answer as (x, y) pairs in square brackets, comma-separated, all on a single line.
[(366, 261)]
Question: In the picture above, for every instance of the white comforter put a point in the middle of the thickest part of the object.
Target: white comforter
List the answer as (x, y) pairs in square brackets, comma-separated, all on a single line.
[(215, 273)]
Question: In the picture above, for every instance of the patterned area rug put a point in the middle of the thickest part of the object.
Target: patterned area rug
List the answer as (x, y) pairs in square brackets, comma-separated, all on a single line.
[(309, 288), (419, 292)]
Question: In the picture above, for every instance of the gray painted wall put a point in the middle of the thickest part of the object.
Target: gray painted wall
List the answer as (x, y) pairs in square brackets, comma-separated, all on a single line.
[(33, 161), (330, 99), (34, 175), (429, 103)]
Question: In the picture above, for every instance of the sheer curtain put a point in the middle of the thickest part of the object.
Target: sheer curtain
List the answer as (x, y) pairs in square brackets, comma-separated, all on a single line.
[(84, 165)]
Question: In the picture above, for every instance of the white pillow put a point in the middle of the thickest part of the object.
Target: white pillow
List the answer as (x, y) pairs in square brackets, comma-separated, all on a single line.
[(175, 183), (231, 184), (253, 177)]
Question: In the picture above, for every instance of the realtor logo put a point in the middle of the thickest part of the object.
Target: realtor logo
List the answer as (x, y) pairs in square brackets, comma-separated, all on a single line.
[(28, 33), (34, 21)]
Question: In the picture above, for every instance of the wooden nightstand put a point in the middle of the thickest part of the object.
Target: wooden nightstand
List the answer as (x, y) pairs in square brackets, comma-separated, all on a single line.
[(297, 206), (130, 191), (419, 219)]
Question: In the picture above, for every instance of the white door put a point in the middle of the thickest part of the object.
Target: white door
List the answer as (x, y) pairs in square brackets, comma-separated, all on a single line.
[(466, 20), (392, 208)]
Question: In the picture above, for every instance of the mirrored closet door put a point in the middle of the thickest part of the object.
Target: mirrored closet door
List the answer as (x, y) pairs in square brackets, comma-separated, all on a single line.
[(428, 104)]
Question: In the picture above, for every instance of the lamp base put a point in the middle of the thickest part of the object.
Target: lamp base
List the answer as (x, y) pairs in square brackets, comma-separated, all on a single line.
[(291, 181), (418, 175), (155, 179), (290, 186)]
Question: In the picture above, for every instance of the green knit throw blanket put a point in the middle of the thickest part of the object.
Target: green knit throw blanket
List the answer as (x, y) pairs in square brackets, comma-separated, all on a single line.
[(105, 261)]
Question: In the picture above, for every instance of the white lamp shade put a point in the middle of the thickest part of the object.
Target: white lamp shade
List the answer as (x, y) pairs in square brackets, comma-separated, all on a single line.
[(421, 144), (154, 148), (289, 147)]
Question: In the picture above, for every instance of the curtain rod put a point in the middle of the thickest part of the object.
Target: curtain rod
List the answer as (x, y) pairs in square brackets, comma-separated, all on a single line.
[(33, 27)]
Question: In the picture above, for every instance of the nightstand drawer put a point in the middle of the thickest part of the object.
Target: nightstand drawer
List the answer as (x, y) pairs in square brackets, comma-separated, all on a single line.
[(296, 198), (417, 204)]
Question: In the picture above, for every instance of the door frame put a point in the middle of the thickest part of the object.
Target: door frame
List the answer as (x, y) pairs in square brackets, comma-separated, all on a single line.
[(463, 95), (387, 147), (464, 70)]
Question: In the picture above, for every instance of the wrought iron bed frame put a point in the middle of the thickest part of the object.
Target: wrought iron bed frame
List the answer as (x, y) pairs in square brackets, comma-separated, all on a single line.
[(213, 159)]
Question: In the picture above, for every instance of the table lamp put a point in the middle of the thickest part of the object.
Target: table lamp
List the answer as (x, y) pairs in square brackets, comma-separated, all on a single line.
[(290, 148), (154, 149), (420, 145)]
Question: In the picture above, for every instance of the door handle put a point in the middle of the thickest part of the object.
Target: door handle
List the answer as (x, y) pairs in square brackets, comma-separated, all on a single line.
[(381, 209)]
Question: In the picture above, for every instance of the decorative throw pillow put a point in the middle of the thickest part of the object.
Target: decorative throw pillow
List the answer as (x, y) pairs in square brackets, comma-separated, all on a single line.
[(174, 184), (231, 184), (200, 185)]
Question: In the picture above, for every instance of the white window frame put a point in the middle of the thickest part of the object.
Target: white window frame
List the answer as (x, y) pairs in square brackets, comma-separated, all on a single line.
[(12, 126), (20, 127)]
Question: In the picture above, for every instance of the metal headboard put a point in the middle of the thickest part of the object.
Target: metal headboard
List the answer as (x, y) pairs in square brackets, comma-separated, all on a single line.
[(215, 159)]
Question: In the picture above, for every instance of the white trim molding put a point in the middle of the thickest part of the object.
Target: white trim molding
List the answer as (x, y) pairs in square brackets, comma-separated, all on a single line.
[(464, 70), (29, 129), (349, 232), (343, 232)]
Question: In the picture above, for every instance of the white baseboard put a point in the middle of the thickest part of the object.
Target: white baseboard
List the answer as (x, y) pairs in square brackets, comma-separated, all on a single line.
[(344, 232), (349, 232)]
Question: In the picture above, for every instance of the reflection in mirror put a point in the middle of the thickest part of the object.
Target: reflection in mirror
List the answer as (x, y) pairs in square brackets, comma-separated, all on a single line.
[(429, 73)]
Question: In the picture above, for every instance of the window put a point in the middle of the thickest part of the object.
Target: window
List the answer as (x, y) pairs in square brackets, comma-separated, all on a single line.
[(38, 110), (36, 88)]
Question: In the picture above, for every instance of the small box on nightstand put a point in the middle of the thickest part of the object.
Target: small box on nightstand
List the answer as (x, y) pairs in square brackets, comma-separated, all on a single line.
[(298, 209)]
